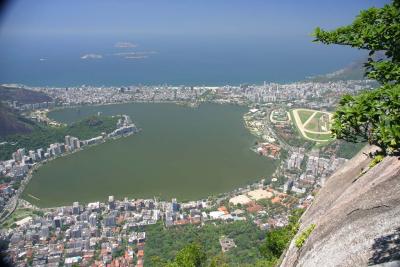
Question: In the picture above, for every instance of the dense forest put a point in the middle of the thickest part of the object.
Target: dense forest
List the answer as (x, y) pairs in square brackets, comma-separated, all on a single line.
[(192, 245)]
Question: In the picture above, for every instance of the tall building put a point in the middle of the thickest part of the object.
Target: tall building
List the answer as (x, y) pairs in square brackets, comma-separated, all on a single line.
[(57, 222), (19, 154), (55, 149), (40, 153), (68, 141), (32, 155), (175, 205), (93, 219), (76, 143), (111, 203), (109, 221), (76, 232), (75, 208)]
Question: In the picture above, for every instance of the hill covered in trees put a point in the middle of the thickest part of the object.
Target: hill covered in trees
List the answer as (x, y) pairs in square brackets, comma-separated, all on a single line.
[(22, 96), (11, 122)]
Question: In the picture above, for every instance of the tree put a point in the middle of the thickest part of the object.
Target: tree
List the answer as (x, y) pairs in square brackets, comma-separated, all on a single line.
[(372, 116), (218, 261), (190, 256), (275, 243), (278, 239)]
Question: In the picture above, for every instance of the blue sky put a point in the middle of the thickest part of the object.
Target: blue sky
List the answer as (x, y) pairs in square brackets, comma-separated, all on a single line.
[(64, 42), (271, 18)]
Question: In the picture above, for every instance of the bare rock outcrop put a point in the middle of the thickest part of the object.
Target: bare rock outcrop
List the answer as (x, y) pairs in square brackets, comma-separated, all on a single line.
[(357, 218)]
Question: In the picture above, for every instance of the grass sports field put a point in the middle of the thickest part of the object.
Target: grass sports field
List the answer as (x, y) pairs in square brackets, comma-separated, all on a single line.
[(313, 124)]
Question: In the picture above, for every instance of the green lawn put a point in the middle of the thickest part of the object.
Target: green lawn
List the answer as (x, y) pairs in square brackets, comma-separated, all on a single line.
[(319, 115), (304, 115), (312, 125), (19, 214), (320, 137)]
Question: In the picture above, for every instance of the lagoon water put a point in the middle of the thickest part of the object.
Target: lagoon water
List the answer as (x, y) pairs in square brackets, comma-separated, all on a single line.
[(181, 152)]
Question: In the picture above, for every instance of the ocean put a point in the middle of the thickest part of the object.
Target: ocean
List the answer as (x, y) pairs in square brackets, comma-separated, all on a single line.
[(173, 60)]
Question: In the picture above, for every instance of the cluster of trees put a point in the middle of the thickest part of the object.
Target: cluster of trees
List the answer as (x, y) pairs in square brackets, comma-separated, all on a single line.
[(164, 245), (372, 116), (277, 240), (342, 149), (42, 136), (192, 246)]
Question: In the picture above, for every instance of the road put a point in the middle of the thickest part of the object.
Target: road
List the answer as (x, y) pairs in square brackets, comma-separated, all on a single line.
[(269, 131), (13, 202)]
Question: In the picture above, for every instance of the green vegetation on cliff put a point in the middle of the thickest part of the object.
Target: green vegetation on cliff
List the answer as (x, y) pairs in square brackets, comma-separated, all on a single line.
[(302, 238), (277, 240)]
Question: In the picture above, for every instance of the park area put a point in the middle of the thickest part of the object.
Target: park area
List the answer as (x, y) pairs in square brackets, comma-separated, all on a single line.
[(313, 124)]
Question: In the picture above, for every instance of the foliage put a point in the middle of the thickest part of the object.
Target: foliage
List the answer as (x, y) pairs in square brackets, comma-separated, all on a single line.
[(16, 185), (375, 29), (5, 179), (18, 214), (343, 149), (375, 160), (193, 255), (163, 245), (119, 252), (301, 239), (190, 256), (275, 243), (39, 213), (272, 208), (278, 239), (42, 136), (372, 116), (219, 261)]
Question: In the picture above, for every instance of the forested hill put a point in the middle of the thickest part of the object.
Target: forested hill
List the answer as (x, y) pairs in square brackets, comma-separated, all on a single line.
[(11, 122), (354, 71), (22, 96)]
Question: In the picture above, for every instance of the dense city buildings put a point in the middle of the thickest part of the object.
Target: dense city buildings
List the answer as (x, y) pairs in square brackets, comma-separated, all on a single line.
[(114, 232)]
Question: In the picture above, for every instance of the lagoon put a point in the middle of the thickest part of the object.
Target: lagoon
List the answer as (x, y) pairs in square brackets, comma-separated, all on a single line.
[(187, 153)]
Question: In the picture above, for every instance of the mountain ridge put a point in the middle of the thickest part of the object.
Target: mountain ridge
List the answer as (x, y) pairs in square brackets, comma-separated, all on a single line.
[(22, 95)]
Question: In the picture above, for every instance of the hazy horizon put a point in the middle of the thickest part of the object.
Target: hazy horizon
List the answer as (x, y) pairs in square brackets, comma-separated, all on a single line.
[(57, 43)]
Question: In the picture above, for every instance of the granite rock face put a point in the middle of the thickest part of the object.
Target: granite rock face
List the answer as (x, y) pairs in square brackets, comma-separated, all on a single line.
[(357, 218)]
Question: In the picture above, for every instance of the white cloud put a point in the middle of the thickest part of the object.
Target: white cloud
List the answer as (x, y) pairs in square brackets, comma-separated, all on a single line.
[(136, 57), (141, 54), (125, 45), (92, 56)]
